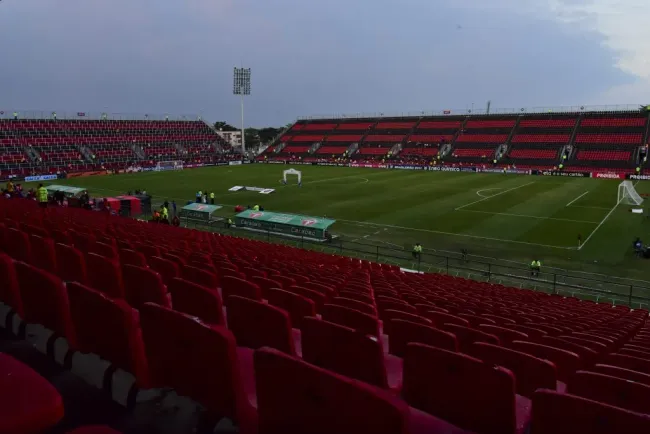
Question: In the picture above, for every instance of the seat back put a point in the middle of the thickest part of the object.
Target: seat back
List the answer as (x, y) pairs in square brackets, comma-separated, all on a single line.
[(343, 350), (45, 300), (626, 374), (199, 276), (362, 322), (109, 328), (294, 396), (103, 249), (505, 335), (318, 298), (196, 359), (355, 304), (71, 264), (467, 336), (404, 332), (561, 413), (44, 256), (611, 390), (390, 314), (439, 319), (167, 269), (143, 285), (265, 284), (105, 275), (196, 300), (256, 324), (9, 289), (296, 305), (460, 389), (239, 287), (565, 362), (132, 257), (530, 372), (18, 245)]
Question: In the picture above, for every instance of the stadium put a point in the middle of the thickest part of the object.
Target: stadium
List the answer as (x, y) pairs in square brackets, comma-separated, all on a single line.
[(458, 271)]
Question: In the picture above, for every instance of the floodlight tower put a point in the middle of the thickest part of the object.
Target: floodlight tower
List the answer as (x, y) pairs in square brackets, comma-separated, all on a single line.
[(242, 86)]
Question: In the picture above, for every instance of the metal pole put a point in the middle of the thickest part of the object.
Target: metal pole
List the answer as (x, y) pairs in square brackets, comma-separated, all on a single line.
[(630, 299), (243, 136)]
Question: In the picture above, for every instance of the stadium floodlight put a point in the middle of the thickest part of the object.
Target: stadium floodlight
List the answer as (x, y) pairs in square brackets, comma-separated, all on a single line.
[(242, 86)]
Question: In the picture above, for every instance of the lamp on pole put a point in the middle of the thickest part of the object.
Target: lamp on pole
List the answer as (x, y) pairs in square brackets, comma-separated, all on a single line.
[(242, 86)]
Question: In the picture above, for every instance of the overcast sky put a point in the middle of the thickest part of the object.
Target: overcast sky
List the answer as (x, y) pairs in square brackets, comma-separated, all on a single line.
[(312, 57)]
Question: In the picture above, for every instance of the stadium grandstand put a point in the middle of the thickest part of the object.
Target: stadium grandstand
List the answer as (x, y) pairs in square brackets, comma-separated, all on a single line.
[(578, 141)]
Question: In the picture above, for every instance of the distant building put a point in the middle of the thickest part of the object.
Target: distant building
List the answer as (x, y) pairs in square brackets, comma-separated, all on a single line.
[(232, 137)]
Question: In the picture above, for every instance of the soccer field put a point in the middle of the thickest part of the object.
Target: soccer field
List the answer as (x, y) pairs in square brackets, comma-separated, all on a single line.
[(510, 217)]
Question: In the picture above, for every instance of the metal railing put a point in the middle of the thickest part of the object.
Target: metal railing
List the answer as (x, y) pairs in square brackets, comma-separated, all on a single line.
[(617, 290), (469, 111)]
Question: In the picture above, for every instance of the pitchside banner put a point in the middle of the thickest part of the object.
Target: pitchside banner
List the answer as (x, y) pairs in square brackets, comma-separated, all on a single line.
[(607, 175), (289, 224), (406, 167), (568, 174), (639, 177)]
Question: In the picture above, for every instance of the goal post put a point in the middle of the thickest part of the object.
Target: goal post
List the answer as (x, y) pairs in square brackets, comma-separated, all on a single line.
[(169, 165), (295, 172), (627, 194)]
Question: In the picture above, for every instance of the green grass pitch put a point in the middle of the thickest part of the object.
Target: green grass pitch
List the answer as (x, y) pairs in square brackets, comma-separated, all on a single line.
[(510, 217)]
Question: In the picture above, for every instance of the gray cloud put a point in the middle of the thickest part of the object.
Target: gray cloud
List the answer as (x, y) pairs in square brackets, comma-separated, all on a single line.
[(317, 57)]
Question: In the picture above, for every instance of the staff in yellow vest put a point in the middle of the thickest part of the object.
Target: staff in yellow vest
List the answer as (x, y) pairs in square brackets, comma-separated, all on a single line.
[(212, 198), (535, 268), (417, 250), (41, 195)]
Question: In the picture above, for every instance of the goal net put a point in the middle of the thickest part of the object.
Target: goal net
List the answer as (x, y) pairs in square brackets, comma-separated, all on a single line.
[(295, 172), (627, 194), (169, 165)]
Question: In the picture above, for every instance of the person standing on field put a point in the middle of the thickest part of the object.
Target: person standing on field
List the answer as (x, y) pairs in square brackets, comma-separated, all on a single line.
[(41, 194)]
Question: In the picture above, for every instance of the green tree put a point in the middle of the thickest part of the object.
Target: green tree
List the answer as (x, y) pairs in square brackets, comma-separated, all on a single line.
[(224, 126), (252, 137)]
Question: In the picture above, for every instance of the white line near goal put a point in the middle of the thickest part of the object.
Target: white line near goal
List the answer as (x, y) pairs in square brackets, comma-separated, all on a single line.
[(494, 195), (574, 200)]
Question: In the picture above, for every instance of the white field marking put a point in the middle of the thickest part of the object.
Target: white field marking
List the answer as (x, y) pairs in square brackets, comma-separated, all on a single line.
[(569, 204), (602, 221), (494, 195), (366, 180), (478, 193), (589, 207), (478, 237), (529, 216)]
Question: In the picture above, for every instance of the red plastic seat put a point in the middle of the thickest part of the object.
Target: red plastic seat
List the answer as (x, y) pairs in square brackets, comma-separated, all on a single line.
[(294, 396), (565, 361), (201, 277), (623, 373), (240, 287), (29, 404), (132, 257), (354, 319), (530, 372), (197, 360), (560, 413), (318, 298), (45, 301), (343, 350), (45, 256), (505, 335), (390, 314), (143, 285), (404, 332), (196, 300), (256, 324), (297, 306), (103, 249), (463, 390), (18, 245), (354, 304), (611, 390), (105, 275), (71, 264), (9, 288), (109, 328), (167, 269), (467, 336), (266, 284)]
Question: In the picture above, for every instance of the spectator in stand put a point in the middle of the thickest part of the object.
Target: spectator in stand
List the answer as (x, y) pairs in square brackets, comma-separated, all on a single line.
[(174, 208), (42, 196), (175, 221), (10, 187)]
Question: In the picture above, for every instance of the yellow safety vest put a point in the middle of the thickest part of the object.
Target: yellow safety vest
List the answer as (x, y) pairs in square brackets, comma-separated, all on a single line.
[(42, 194), (165, 213), (211, 195)]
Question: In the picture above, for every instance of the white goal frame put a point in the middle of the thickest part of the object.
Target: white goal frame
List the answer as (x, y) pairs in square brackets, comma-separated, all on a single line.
[(169, 165), (298, 173), (627, 194)]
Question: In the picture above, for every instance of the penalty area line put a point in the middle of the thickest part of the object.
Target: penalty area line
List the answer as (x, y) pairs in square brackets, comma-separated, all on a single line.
[(494, 195), (574, 200)]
